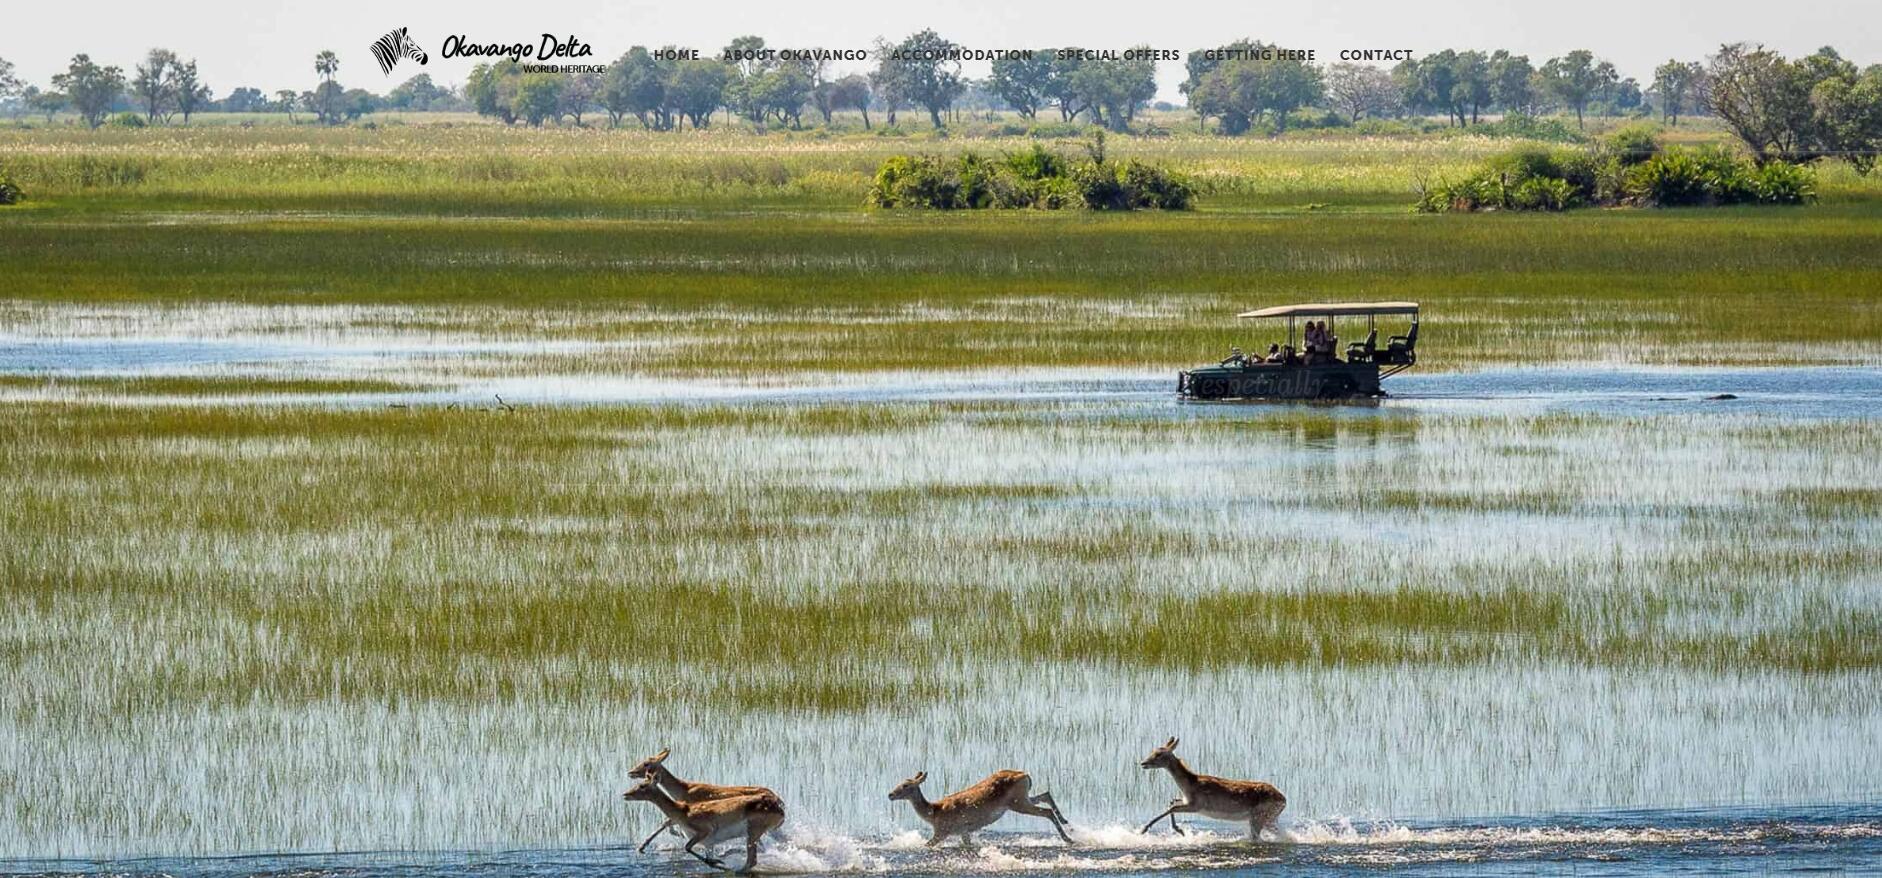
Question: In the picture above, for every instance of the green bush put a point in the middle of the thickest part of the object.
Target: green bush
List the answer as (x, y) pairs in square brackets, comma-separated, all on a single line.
[(10, 191), (1537, 178), (1675, 178), (1525, 127), (1783, 183), (126, 120), (1634, 144), (1030, 178)]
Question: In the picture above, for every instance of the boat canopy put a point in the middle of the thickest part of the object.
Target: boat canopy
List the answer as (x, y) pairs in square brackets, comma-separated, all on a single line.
[(1334, 309)]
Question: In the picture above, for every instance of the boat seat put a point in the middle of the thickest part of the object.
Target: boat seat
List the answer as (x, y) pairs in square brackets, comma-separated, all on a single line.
[(1363, 350)]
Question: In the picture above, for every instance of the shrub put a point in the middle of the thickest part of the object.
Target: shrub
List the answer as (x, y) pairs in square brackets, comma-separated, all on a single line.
[(1033, 177), (1634, 144), (1526, 127), (10, 191), (127, 120), (1544, 193), (1783, 183), (1672, 179)]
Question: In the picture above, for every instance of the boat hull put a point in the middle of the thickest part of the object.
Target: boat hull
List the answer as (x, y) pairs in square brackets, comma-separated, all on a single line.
[(1281, 381)]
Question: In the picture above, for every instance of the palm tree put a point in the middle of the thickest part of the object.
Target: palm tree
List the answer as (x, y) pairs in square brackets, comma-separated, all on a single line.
[(326, 64)]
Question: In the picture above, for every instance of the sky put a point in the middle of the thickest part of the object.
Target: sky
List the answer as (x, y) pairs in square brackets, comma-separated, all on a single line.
[(271, 45)]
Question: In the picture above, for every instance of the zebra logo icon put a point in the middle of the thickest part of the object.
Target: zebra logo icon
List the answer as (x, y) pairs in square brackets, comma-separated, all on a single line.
[(387, 50)]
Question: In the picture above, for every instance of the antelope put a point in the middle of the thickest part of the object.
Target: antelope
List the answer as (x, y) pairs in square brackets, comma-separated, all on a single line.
[(1223, 799), (978, 806), (758, 814), (654, 768)]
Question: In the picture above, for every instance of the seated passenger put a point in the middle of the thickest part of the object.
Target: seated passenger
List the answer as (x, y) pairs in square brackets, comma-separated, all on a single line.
[(1274, 354), (1235, 358)]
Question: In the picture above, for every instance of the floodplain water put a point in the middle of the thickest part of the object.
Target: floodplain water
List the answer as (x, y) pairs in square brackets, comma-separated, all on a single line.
[(1534, 764)]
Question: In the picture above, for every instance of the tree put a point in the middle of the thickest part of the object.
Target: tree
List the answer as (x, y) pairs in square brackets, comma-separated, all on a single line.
[(244, 99), (357, 102), (1113, 90), (636, 85), (154, 84), (328, 101), (696, 90), (1511, 78), (491, 89), (1241, 90), (11, 87), (417, 93), (1359, 90), (327, 65), (47, 102), (1471, 93), (1022, 82), (1675, 81), (1429, 84), (927, 71), (91, 88), (1576, 78), (188, 91), (1627, 96), (538, 97), (1062, 86), (288, 99), (853, 92), (1848, 110), (1762, 98), (580, 92)]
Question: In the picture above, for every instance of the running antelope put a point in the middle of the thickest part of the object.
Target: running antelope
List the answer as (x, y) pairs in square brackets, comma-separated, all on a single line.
[(704, 820), (978, 806), (654, 768), (1253, 801)]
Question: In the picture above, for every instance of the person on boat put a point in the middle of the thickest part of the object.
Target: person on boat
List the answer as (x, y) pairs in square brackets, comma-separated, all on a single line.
[(1235, 358), (1312, 337), (1274, 354)]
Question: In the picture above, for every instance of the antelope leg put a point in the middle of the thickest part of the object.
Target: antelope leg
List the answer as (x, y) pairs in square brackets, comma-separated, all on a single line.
[(656, 834)]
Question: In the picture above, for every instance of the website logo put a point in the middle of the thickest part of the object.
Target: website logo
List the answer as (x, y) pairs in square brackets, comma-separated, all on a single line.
[(387, 50)]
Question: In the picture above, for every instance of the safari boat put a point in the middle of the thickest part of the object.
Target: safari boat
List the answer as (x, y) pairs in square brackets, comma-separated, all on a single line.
[(1312, 370)]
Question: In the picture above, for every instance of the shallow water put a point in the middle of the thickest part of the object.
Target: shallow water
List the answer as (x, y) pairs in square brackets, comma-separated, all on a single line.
[(1399, 765), (1830, 840), (1815, 392)]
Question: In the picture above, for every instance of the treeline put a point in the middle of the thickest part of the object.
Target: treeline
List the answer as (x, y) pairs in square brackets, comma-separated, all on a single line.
[(1795, 109)]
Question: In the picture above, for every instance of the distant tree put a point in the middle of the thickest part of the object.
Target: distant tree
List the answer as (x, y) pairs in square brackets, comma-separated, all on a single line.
[(327, 65), (328, 101), (154, 84), (636, 85), (244, 99), (357, 102), (1063, 89), (491, 89), (1577, 78), (288, 99), (47, 102), (1511, 78), (1114, 89), (1359, 90), (580, 93), (1023, 82), (1241, 90), (1626, 96), (696, 90), (188, 90), (538, 97), (1674, 81), (417, 93), (90, 88), (1763, 99), (853, 92), (1848, 111), (12, 88), (1429, 83), (1817, 106), (1473, 86), (926, 72)]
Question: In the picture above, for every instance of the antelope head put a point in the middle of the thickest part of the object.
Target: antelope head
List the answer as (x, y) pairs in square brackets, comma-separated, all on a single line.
[(645, 768), (1162, 757), (908, 789), (647, 791)]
